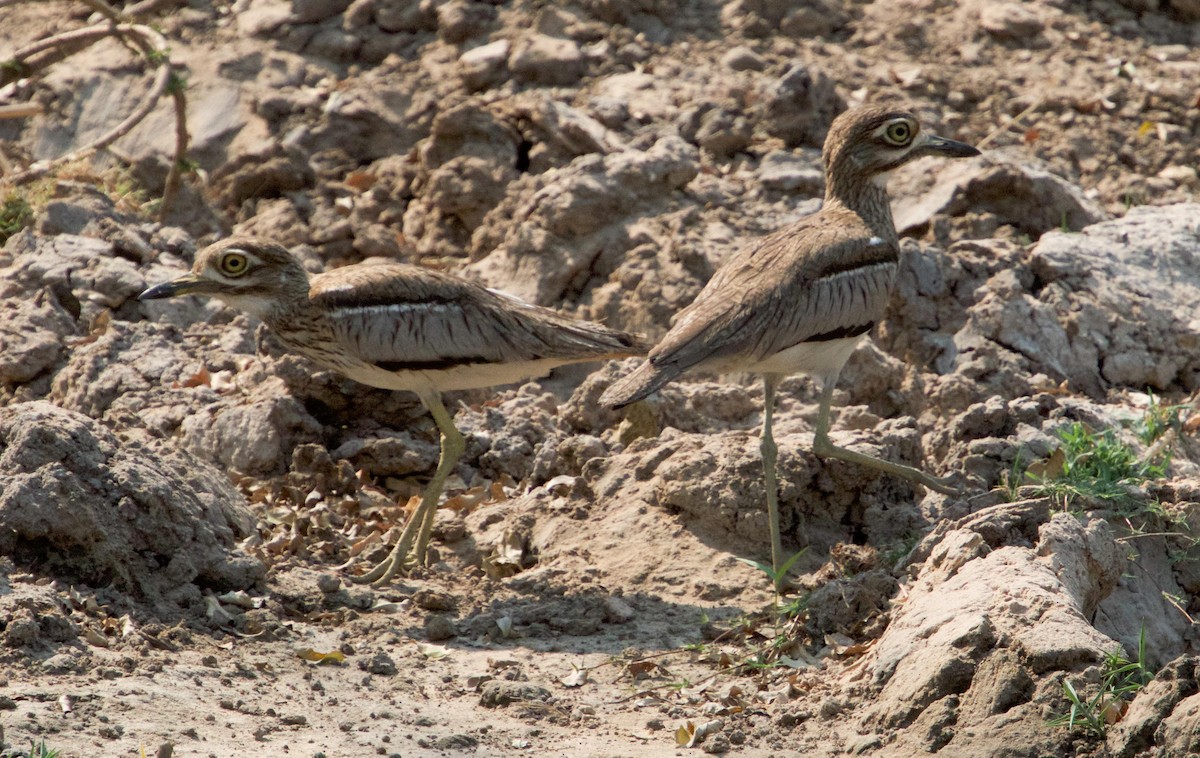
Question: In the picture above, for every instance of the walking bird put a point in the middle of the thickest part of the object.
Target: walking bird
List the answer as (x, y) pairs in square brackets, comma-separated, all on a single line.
[(799, 300), (398, 327)]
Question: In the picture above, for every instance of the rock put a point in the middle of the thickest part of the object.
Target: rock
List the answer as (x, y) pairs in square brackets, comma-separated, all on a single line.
[(496, 694), (460, 20), (61, 663), (799, 107), (971, 602), (784, 171), (31, 337), (617, 611), (268, 172), (1188, 10), (457, 742), (1009, 20), (1017, 190), (742, 58), (434, 600), (253, 437), (21, 629), (576, 216), (80, 502), (334, 45), (1182, 728), (763, 18), (1089, 575), (439, 627), (312, 11), (406, 16), (1158, 710), (380, 664), (546, 61), (484, 66), (814, 19), (720, 130)]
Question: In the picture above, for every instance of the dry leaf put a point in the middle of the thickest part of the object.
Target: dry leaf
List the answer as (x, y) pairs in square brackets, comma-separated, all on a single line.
[(361, 180), (1115, 711), (433, 652), (1031, 135), (700, 731), (214, 611), (314, 656), (95, 638), (683, 735), (1145, 128), (199, 379), (1048, 468), (641, 669), (98, 327), (577, 678)]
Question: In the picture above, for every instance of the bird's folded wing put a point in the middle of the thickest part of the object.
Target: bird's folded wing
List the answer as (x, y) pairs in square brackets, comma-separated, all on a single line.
[(773, 296), (400, 316)]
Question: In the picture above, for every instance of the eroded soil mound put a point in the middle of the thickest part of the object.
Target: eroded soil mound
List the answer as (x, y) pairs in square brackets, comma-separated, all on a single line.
[(182, 503)]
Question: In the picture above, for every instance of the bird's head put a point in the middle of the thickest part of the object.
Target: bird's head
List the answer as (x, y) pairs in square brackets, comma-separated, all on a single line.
[(247, 273), (867, 142)]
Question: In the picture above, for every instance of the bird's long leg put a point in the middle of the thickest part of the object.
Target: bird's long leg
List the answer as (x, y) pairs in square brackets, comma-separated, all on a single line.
[(416, 533), (770, 456), (826, 449), (453, 445)]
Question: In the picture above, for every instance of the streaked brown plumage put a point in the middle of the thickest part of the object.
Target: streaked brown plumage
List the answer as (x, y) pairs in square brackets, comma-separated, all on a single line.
[(398, 327), (799, 300)]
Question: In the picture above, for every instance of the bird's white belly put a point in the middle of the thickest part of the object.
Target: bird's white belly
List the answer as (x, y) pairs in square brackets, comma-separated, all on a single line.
[(465, 377), (821, 359)]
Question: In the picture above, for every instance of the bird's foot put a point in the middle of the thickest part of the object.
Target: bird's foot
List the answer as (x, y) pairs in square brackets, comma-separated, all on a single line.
[(401, 560), (952, 485)]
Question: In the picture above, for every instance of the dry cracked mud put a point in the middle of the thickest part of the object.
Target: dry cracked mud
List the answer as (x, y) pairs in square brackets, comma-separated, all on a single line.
[(182, 504)]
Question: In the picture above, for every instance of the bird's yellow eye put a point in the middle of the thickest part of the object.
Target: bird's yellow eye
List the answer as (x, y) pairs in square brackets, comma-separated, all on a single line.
[(899, 133), (234, 264)]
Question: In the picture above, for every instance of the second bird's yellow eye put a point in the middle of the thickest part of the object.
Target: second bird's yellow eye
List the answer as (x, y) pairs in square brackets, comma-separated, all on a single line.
[(234, 264), (899, 133)]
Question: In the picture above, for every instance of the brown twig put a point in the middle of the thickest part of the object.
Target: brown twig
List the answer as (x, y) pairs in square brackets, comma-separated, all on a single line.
[(153, 46), (171, 188)]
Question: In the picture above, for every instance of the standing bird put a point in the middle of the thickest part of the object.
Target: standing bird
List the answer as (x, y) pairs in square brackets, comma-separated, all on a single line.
[(799, 300), (398, 327)]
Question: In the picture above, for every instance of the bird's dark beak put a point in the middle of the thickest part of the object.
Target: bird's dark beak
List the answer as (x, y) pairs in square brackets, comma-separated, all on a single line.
[(182, 286), (935, 145)]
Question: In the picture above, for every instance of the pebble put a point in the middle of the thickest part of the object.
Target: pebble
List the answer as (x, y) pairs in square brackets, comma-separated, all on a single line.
[(742, 58), (439, 627), (548, 61), (1010, 21), (500, 693)]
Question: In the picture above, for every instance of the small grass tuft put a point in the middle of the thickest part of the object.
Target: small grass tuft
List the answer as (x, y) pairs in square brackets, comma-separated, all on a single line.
[(15, 214), (1121, 680), (1158, 420), (1094, 465)]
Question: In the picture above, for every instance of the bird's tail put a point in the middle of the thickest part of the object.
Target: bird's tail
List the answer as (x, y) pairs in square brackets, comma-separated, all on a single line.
[(643, 381)]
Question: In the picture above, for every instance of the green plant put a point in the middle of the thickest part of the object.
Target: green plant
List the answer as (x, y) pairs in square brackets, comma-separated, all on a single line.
[(1095, 466), (778, 578), (39, 750), (1121, 680), (15, 215), (1158, 420)]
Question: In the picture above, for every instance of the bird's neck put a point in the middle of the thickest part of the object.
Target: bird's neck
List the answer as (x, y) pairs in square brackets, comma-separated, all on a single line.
[(867, 198), (288, 299)]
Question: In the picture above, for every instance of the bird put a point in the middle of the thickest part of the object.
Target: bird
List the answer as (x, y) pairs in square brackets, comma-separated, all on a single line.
[(799, 299), (400, 327)]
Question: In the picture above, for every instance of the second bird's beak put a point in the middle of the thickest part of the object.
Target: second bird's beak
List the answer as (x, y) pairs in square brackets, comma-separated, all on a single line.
[(934, 145), (184, 285)]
